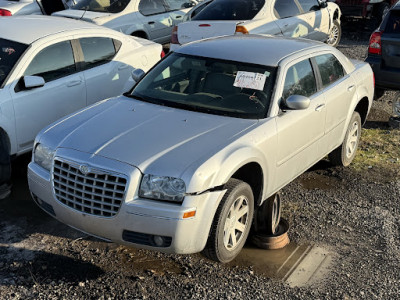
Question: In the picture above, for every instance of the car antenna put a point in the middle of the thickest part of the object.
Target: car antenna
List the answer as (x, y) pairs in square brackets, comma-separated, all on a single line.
[(86, 9)]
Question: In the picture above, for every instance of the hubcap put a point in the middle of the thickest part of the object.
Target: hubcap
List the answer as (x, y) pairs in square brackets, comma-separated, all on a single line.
[(333, 35), (236, 223), (352, 140)]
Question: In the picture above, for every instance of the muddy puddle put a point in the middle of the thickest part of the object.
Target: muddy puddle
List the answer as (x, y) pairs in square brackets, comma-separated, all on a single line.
[(298, 265), (319, 181)]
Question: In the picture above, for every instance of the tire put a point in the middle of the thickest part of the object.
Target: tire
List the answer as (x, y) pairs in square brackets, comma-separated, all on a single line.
[(335, 34), (227, 237), (345, 153), (5, 167), (268, 216)]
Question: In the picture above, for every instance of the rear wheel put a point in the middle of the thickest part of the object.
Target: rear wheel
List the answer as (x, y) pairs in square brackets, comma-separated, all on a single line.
[(335, 34), (345, 153), (268, 216), (232, 222)]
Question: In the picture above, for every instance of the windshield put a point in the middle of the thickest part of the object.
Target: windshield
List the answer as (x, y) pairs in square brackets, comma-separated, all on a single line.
[(209, 85), (230, 10), (10, 53), (109, 6)]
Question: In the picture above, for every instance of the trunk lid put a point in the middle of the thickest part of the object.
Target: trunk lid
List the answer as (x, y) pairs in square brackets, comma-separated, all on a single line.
[(198, 30)]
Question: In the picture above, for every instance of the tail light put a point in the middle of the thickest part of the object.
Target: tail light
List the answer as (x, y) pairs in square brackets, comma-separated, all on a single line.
[(174, 35), (5, 12), (375, 43), (241, 29), (162, 54)]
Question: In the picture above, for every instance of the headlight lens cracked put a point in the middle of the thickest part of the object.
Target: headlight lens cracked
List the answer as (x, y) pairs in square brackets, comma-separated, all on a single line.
[(43, 156), (162, 188)]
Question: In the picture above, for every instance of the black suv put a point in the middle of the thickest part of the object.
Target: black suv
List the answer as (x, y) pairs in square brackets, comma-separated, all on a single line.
[(384, 53)]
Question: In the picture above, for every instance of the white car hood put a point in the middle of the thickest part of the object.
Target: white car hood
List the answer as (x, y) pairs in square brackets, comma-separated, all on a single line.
[(151, 137), (77, 14)]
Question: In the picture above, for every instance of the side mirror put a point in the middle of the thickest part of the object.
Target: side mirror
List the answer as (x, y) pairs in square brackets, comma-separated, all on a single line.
[(297, 102), (322, 3), (32, 82), (137, 74)]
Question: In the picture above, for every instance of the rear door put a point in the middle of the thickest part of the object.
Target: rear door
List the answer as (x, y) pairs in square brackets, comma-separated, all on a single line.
[(104, 77)]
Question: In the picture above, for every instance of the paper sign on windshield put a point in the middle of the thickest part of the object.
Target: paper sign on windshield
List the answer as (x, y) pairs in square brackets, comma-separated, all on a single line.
[(250, 80)]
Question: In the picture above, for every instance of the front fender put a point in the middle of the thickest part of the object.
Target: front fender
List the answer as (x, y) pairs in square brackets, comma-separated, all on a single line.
[(224, 166)]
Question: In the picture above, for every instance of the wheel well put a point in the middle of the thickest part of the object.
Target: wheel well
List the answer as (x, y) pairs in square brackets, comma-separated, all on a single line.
[(253, 175), (362, 109), (3, 133), (336, 15), (140, 34)]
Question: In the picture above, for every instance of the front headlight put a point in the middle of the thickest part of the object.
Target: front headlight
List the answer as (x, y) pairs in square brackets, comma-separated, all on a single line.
[(162, 188), (43, 156)]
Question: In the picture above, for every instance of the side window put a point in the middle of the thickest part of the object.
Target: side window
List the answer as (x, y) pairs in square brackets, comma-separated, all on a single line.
[(286, 8), (300, 80), (178, 4), (309, 5), (53, 62), (97, 51), (329, 68), (151, 7)]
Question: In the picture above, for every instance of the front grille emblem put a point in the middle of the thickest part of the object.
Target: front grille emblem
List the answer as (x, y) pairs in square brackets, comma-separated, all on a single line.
[(84, 169)]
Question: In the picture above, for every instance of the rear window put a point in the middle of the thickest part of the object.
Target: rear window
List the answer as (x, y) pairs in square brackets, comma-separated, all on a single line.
[(107, 6), (230, 10), (393, 22), (10, 52)]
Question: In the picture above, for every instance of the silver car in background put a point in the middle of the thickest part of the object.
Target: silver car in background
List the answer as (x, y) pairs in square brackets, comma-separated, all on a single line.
[(208, 135)]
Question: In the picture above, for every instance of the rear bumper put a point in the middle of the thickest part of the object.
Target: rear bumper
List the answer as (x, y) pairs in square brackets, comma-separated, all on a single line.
[(385, 78), (139, 222)]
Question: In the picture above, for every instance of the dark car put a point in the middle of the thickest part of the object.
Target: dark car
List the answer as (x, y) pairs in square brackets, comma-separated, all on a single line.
[(365, 8), (384, 53)]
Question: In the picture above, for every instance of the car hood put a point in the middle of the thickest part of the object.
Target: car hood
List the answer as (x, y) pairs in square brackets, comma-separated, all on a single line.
[(156, 139), (81, 14)]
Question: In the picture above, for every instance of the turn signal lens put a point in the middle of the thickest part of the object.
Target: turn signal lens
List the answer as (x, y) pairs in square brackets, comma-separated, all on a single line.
[(241, 29), (174, 35), (5, 13), (375, 43), (189, 214), (162, 54)]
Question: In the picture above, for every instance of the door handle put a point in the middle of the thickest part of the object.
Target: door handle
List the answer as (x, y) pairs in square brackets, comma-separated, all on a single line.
[(151, 23), (350, 87), (178, 17), (73, 83), (320, 107)]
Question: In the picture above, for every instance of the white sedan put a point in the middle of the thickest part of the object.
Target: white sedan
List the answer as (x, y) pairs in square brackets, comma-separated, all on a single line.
[(204, 139), (313, 19), (33, 7), (150, 19), (51, 67)]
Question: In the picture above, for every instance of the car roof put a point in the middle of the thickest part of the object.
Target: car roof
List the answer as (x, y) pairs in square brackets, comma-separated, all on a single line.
[(265, 50), (27, 29)]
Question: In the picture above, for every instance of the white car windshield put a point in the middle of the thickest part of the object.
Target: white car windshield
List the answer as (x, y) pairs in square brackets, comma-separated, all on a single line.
[(10, 52), (109, 6), (209, 85)]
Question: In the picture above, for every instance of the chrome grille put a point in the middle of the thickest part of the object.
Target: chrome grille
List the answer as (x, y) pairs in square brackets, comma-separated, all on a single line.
[(97, 193)]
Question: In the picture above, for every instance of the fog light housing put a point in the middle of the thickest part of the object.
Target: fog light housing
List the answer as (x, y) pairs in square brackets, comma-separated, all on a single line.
[(158, 240)]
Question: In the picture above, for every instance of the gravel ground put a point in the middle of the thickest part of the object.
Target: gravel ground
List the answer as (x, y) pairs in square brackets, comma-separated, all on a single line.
[(352, 214)]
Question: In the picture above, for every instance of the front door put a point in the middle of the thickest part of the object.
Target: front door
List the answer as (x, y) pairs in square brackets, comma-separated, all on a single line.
[(299, 131), (63, 93)]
